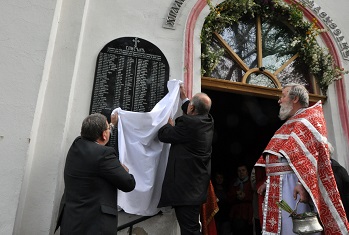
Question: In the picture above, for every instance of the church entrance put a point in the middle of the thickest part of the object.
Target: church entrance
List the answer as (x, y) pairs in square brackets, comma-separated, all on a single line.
[(244, 125)]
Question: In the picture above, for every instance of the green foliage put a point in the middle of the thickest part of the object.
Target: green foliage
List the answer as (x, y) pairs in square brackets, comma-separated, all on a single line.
[(318, 60)]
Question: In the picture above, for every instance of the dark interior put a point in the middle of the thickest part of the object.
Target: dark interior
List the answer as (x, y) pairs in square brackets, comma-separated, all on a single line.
[(243, 127)]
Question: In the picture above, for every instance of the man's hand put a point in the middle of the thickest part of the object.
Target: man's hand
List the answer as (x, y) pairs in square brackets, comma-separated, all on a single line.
[(114, 119), (182, 92), (303, 194), (170, 121), (261, 189), (125, 167)]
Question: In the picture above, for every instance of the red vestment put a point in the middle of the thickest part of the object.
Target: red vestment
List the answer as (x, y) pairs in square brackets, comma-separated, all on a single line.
[(302, 140)]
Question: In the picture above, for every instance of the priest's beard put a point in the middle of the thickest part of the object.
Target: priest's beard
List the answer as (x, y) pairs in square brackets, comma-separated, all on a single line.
[(285, 110)]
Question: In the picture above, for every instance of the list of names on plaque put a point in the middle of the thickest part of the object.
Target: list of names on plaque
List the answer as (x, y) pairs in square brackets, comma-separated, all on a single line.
[(131, 73)]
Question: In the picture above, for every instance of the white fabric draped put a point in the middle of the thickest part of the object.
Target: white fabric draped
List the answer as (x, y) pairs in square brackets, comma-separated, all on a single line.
[(142, 152)]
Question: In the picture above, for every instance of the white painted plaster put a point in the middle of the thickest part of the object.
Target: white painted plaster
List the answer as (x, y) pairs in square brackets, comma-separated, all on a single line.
[(336, 10), (24, 34)]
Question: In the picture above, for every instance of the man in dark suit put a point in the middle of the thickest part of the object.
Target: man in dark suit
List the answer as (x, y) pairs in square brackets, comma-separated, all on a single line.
[(189, 164), (92, 176)]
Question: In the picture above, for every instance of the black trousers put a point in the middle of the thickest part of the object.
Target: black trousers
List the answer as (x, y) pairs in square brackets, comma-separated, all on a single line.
[(188, 219)]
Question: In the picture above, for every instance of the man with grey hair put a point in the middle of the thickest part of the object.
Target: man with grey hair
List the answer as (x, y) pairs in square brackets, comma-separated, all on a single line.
[(297, 166), (92, 177), (298, 99), (188, 169)]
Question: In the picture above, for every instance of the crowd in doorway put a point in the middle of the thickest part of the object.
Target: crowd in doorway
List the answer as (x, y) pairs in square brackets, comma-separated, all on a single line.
[(238, 208)]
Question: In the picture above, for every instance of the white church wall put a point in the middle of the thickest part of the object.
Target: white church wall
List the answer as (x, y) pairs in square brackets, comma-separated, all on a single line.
[(334, 12), (48, 137), (24, 34)]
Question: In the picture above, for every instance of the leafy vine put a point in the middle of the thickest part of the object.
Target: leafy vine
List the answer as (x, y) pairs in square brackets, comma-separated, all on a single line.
[(319, 61)]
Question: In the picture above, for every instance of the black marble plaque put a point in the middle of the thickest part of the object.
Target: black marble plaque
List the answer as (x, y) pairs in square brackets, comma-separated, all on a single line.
[(131, 73)]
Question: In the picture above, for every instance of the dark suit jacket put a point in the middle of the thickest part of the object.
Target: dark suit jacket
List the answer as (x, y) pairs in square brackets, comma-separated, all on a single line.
[(189, 165), (92, 176)]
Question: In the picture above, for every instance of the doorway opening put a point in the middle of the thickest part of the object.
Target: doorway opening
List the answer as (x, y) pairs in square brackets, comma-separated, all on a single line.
[(244, 125)]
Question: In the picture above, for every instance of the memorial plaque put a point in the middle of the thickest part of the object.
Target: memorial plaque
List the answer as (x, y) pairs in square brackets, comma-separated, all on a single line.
[(131, 73)]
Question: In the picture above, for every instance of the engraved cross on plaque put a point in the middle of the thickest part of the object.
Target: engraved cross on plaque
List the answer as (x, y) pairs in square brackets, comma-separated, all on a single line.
[(136, 41)]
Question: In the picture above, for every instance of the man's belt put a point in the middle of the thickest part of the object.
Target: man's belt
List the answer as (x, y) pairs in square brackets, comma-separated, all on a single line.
[(278, 169)]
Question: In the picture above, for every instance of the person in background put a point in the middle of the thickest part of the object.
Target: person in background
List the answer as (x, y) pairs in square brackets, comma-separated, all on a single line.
[(92, 177), (342, 180), (260, 179), (240, 195), (222, 217), (255, 204), (188, 170), (297, 166)]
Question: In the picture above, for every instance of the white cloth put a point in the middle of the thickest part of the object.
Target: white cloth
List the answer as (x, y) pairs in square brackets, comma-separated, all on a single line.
[(142, 152)]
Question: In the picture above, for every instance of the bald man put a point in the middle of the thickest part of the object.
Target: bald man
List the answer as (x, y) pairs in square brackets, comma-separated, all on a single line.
[(189, 165)]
